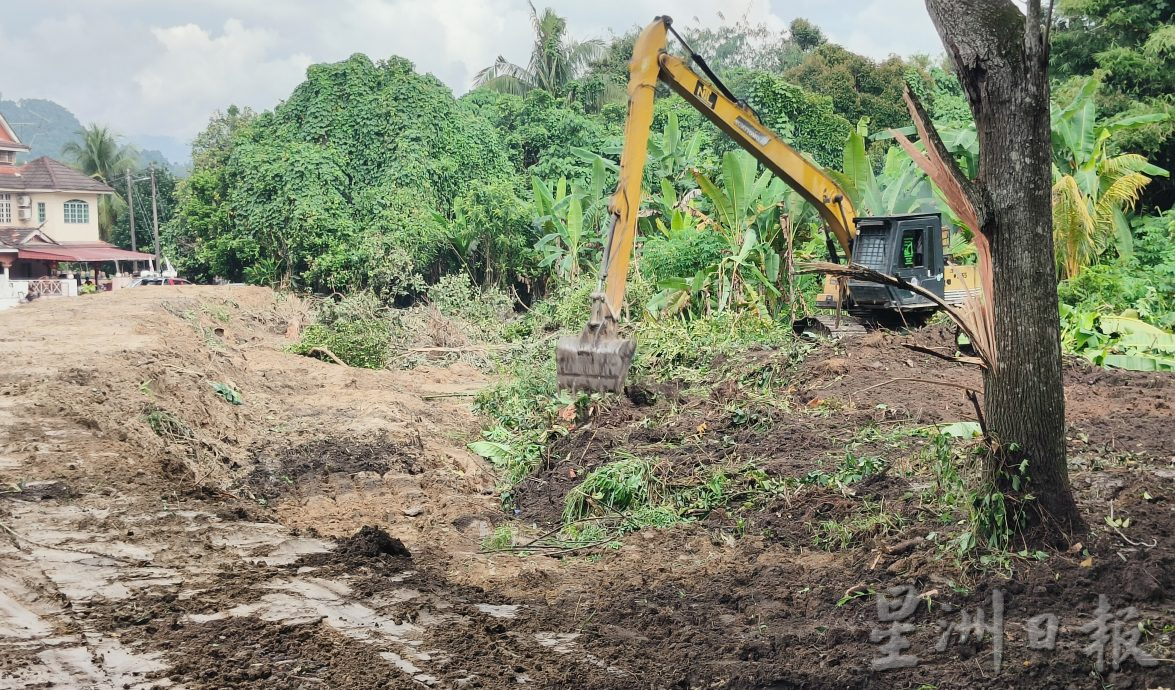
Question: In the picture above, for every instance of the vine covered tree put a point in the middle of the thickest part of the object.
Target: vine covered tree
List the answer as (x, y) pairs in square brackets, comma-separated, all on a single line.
[(1001, 54)]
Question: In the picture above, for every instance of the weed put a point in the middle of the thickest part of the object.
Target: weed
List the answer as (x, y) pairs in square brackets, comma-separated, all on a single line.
[(218, 313), (165, 424), (514, 456), (501, 538), (623, 484), (706, 495), (227, 392), (657, 517), (852, 469), (854, 595), (869, 521)]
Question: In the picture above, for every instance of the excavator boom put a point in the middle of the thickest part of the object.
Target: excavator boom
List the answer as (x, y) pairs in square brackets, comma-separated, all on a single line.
[(598, 359)]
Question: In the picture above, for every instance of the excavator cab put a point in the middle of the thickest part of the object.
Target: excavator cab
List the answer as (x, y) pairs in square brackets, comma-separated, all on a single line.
[(909, 247)]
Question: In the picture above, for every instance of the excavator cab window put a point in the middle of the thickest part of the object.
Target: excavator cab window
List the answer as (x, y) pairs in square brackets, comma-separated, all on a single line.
[(913, 254)]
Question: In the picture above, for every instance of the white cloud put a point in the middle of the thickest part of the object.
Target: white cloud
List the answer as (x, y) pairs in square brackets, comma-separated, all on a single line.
[(888, 27), (196, 70)]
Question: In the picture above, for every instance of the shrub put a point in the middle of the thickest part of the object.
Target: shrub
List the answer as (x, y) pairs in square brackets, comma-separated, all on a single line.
[(355, 330), (457, 297), (682, 255)]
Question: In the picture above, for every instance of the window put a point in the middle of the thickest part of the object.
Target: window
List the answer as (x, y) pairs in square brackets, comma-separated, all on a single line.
[(5, 208), (8, 157), (77, 211), (40, 211), (912, 253)]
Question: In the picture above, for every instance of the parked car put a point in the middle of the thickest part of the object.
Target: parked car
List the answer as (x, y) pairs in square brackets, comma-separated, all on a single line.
[(158, 280)]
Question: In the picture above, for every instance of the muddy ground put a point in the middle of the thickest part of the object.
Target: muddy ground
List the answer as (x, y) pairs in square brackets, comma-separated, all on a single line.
[(326, 532)]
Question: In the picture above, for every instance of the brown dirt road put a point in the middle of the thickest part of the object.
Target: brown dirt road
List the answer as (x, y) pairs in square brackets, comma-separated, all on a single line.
[(155, 535)]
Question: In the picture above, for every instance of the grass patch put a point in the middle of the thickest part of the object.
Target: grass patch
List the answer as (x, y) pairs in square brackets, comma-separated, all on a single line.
[(503, 537), (166, 424), (871, 520), (628, 482)]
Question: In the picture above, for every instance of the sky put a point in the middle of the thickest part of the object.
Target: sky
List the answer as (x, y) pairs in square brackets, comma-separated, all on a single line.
[(155, 70)]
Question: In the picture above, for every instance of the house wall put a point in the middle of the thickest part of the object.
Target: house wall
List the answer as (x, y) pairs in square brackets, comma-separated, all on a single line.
[(55, 225)]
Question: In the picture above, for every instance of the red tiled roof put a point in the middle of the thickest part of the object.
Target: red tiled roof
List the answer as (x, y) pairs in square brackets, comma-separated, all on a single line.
[(46, 174), (82, 252), (15, 235)]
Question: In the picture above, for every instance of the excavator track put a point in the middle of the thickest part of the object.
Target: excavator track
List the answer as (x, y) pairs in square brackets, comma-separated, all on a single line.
[(829, 326)]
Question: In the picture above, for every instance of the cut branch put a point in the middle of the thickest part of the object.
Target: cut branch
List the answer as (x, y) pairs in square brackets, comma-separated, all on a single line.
[(326, 351), (859, 272)]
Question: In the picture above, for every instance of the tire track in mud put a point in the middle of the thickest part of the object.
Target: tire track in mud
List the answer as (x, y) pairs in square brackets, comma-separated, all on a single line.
[(120, 572)]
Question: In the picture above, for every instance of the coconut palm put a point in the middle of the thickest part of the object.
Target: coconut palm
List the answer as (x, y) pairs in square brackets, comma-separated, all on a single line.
[(98, 153), (555, 60), (1093, 191)]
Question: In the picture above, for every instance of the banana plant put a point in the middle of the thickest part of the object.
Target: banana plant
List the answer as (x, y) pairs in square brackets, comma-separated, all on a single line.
[(671, 155), (743, 207), (900, 189), (1093, 191), (563, 246)]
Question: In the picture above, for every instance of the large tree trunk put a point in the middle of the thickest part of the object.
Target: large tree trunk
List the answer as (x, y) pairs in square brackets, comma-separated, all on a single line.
[(1002, 59)]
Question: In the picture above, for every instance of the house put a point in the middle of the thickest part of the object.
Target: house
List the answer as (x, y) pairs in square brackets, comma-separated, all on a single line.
[(48, 216)]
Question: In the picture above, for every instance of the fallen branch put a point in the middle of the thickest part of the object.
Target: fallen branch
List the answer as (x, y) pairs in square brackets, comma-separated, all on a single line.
[(328, 353), (859, 272), (466, 348), (904, 546), (961, 359)]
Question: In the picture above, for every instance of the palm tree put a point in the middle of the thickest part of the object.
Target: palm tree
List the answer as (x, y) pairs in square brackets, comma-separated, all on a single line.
[(1093, 191), (555, 60), (98, 153)]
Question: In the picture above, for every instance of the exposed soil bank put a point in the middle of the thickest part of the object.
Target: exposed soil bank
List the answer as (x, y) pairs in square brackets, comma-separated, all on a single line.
[(326, 532)]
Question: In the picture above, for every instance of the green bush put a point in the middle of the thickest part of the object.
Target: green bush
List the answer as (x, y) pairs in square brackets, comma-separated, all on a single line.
[(457, 297), (682, 255), (354, 329)]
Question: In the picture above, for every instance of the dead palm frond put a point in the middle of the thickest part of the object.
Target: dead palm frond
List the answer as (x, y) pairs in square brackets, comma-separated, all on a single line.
[(1074, 228), (974, 316)]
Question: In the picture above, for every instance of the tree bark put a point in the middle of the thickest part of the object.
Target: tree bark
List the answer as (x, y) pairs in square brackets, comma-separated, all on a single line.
[(1002, 61)]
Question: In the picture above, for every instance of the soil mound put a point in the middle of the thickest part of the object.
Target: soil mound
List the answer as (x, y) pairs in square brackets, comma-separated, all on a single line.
[(372, 542)]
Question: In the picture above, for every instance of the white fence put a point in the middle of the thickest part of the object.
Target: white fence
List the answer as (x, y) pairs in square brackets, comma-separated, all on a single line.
[(13, 292)]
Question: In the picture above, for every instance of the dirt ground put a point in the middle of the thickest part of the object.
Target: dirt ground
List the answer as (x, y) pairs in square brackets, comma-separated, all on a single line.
[(326, 531)]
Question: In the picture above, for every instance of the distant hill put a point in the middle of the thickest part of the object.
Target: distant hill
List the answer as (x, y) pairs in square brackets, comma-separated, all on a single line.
[(46, 127)]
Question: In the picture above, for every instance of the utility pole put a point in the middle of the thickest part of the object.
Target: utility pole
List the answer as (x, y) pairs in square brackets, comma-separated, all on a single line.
[(155, 221), (130, 204)]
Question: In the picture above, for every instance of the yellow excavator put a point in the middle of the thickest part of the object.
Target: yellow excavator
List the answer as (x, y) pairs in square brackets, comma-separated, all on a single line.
[(909, 247)]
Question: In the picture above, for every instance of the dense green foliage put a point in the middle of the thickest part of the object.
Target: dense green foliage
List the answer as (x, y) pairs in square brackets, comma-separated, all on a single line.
[(1131, 43), (317, 196)]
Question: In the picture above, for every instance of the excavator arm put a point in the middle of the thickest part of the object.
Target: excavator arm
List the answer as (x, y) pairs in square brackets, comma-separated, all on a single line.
[(597, 359)]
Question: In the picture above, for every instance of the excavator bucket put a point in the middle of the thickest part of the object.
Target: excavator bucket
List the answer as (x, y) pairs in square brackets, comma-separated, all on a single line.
[(593, 362), (596, 359)]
